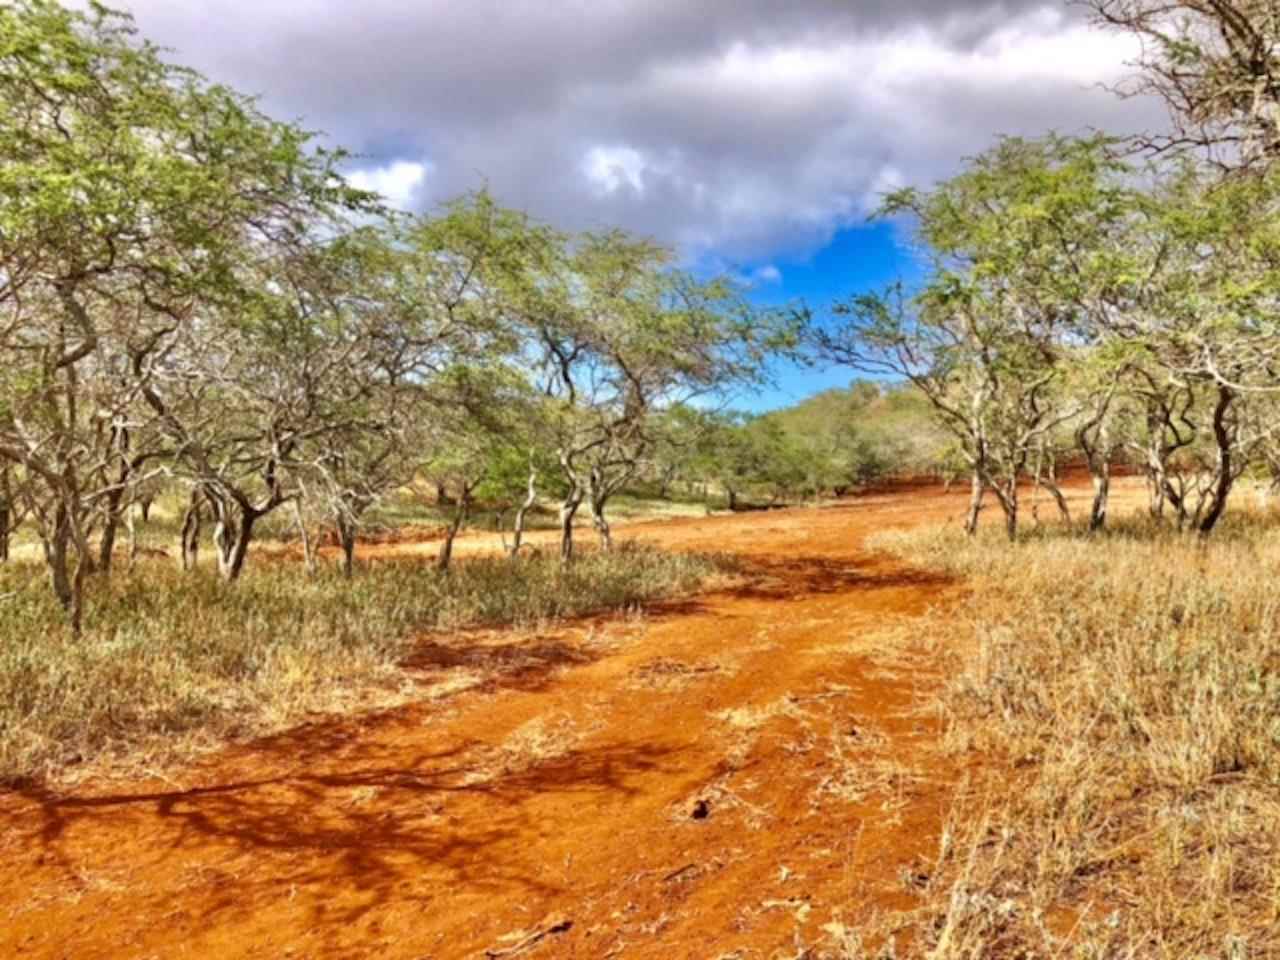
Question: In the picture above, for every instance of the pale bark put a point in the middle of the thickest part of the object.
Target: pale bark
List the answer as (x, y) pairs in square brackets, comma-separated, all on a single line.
[(308, 549), (517, 526), (1094, 440), (1101, 497), (976, 491), (232, 533), (1006, 492), (601, 523)]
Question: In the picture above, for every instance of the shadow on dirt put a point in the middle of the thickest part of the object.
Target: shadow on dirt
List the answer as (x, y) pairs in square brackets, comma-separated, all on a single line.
[(522, 663), (372, 831), (799, 576)]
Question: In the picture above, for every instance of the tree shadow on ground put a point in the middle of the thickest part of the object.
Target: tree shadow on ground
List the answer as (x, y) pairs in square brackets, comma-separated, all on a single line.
[(353, 836)]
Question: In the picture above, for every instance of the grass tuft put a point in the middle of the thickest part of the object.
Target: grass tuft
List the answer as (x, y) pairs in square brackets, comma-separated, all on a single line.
[(169, 661), (1121, 695)]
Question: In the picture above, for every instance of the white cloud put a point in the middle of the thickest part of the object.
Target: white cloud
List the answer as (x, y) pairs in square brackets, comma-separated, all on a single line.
[(612, 168), (398, 182), (744, 129)]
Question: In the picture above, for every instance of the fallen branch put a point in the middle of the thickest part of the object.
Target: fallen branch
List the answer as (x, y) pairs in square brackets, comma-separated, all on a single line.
[(552, 925)]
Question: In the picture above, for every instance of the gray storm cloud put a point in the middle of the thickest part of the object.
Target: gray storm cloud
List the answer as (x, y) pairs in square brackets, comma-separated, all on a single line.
[(744, 129)]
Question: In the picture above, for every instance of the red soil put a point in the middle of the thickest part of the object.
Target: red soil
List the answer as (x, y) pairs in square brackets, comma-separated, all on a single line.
[(584, 800)]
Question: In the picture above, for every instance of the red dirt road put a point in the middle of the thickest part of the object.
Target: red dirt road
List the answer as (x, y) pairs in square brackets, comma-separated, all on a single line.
[(721, 777)]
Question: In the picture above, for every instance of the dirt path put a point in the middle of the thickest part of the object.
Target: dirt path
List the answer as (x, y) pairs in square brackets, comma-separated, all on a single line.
[(719, 778)]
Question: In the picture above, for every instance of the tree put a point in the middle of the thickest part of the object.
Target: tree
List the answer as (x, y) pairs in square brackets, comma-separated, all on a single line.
[(1021, 253), (130, 191), (1215, 65), (408, 305), (622, 337), (471, 443)]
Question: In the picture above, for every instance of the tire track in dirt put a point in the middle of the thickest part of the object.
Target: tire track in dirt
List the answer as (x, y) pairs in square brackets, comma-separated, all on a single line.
[(720, 777)]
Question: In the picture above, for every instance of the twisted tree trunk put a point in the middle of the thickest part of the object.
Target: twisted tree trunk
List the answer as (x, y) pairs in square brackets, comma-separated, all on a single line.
[(517, 526), (1225, 475), (568, 510), (189, 538)]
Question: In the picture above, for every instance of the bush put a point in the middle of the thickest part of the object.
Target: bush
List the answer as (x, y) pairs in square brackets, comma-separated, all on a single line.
[(170, 660)]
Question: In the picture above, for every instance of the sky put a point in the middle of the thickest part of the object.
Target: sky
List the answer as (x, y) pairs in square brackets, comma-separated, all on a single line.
[(753, 136)]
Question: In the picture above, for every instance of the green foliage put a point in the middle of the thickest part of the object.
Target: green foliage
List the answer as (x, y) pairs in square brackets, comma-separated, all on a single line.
[(833, 442)]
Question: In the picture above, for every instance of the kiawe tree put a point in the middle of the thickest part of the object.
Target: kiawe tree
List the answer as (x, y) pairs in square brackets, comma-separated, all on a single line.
[(130, 191), (1215, 64), (1013, 245), (621, 337)]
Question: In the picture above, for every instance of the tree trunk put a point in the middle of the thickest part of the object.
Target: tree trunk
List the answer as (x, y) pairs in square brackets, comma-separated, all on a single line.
[(347, 540), (1064, 509), (232, 536), (1155, 494), (459, 517), (665, 479), (68, 584), (601, 524), (517, 526), (568, 510), (1011, 518), (6, 513), (145, 506), (1101, 497), (976, 491), (1048, 478), (308, 550), (732, 496), (83, 567), (189, 539), (57, 550), (107, 546), (1007, 496), (597, 500), (442, 495), (1225, 478), (131, 527)]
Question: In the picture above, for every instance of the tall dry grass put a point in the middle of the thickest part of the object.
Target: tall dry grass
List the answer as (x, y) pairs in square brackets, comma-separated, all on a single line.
[(1118, 702), (169, 662)]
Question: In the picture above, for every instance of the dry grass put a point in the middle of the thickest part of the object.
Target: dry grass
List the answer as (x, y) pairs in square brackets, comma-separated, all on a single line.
[(672, 676), (171, 663), (1122, 697)]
